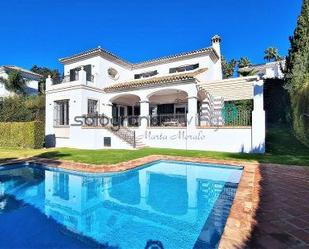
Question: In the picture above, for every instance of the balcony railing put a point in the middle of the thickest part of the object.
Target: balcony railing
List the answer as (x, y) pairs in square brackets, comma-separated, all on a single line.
[(215, 119), (230, 119), (67, 78), (175, 120), (163, 120)]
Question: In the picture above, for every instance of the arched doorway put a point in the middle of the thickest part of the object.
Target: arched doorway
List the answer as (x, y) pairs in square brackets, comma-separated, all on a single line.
[(126, 109), (168, 107)]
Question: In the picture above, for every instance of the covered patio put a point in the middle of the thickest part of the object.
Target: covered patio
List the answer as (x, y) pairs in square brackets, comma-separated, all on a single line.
[(163, 108)]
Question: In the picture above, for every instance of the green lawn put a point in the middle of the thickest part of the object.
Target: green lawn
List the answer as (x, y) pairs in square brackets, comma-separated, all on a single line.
[(282, 148)]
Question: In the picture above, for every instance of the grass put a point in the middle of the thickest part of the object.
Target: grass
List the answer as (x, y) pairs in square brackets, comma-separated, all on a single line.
[(282, 148)]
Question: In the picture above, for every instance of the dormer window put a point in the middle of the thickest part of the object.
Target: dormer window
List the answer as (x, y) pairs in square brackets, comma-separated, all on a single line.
[(145, 75), (184, 68)]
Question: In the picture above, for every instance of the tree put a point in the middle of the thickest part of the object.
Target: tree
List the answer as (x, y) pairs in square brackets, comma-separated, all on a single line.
[(243, 67), (228, 67), (297, 75), (44, 71), (14, 83), (244, 62), (271, 54)]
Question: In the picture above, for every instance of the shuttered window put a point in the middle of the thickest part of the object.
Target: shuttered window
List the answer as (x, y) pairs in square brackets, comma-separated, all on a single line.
[(87, 68), (61, 112), (74, 74), (92, 106)]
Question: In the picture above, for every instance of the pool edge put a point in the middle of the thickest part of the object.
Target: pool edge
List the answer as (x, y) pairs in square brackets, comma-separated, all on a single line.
[(240, 220)]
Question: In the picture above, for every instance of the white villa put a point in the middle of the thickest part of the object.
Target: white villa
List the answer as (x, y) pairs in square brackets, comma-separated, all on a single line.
[(32, 80), (178, 101)]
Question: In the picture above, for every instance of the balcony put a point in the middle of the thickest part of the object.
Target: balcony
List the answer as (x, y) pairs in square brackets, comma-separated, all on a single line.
[(80, 78)]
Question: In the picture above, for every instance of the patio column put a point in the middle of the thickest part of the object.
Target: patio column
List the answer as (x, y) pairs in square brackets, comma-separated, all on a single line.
[(192, 111), (144, 107), (258, 118), (108, 111), (125, 121), (82, 76)]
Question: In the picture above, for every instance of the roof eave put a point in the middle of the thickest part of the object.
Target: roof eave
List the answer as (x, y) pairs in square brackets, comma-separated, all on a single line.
[(97, 52), (4, 68), (153, 84), (108, 55)]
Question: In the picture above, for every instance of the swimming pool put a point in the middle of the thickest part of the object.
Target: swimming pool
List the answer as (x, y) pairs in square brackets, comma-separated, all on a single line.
[(169, 204)]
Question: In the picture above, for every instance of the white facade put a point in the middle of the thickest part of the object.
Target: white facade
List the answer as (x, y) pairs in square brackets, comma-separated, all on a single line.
[(170, 102), (32, 80), (268, 70)]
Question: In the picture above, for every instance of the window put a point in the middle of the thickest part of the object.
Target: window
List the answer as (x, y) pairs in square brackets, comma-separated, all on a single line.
[(137, 111), (165, 109), (180, 110), (92, 106), (184, 68), (61, 112), (113, 73), (74, 74), (145, 75), (87, 68)]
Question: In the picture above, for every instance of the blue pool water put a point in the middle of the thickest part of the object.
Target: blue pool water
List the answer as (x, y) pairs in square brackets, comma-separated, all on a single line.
[(166, 203)]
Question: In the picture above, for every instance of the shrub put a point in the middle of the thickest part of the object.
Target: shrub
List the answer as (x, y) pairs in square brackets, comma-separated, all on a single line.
[(245, 104), (276, 101), (300, 113), (22, 134), (297, 75), (22, 108)]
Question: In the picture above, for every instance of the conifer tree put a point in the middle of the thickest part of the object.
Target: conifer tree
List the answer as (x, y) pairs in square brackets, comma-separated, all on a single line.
[(297, 75)]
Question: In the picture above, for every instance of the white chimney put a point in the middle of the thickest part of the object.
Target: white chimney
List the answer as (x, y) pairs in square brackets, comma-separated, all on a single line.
[(215, 43)]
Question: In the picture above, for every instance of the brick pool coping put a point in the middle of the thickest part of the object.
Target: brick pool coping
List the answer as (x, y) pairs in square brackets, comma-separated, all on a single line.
[(241, 219)]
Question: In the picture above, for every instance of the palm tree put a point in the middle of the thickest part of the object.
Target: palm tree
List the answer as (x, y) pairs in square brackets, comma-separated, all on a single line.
[(271, 54), (244, 67), (244, 62), (14, 83)]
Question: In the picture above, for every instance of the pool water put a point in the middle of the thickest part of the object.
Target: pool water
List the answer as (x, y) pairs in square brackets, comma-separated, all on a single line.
[(164, 204)]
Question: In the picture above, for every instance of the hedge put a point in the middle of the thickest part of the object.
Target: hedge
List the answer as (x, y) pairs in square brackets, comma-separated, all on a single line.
[(22, 134), (276, 101), (300, 113)]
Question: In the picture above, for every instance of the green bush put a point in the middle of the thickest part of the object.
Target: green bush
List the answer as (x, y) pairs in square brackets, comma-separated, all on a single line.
[(22, 108), (22, 134), (276, 101), (297, 75), (300, 113)]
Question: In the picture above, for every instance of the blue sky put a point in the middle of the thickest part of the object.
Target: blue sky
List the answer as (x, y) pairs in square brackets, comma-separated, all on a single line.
[(42, 31)]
